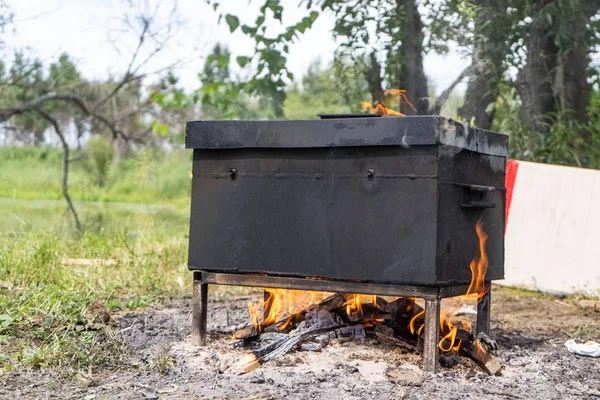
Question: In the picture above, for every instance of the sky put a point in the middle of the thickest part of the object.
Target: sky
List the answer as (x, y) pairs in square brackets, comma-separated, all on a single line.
[(82, 28)]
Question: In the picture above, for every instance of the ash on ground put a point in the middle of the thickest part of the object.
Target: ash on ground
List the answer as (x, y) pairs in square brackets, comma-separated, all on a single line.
[(158, 361)]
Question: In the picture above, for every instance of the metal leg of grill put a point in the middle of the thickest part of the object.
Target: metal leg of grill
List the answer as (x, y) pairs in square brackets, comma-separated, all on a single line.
[(432, 335), (265, 298), (483, 310), (199, 310)]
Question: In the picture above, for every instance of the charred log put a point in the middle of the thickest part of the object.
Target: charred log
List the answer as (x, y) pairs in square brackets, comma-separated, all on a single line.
[(485, 360), (279, 348)]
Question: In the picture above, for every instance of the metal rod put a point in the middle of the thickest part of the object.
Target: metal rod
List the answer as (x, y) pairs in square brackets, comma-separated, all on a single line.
[(199, 310), (424, 292), (484, 305), (266, 296), (432, 335)]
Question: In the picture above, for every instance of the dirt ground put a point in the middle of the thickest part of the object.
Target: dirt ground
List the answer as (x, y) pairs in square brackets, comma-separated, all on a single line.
[(155, 359)]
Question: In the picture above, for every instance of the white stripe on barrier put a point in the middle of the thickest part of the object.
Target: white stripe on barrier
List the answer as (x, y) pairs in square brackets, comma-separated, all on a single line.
[(553, 232)]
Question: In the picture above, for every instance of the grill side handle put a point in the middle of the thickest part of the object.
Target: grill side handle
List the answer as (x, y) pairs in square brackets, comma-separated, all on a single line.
[(474, 196)]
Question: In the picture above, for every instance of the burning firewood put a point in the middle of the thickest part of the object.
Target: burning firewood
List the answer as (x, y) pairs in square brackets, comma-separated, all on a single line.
[(330, 303), (318, 321), (288, 322), (248, 332), (485, 360), (387, 335), (339, 317), (343, 317), (489, 343)]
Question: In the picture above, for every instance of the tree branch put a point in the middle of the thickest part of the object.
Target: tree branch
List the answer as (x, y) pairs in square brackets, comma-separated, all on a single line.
[(65, 179), (443, 97), (7, 113), (146, 33), (128, 76)]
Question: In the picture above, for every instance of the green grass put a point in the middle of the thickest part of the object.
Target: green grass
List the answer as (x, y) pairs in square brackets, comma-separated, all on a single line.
[(515, 292), (45, 302), (137, 222), (145, 177), (135, 226)]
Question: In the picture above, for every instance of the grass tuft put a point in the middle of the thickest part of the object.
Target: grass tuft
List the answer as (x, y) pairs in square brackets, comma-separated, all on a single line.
[(162, 362)]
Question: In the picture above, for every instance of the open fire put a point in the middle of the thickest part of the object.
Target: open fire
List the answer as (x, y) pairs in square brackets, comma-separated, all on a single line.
[(398, 321), (387, 206)]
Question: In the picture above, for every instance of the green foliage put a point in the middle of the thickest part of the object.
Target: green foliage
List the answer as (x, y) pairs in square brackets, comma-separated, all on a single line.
[(99, 155), (46, 316), (136, 253), (221, 95), (6, 19), (216, 66), (565, 143), (332, 89), (321, 92), (350, 83), (23, 82), (162, 362), (48, 302), (267, 81), (232, 21)]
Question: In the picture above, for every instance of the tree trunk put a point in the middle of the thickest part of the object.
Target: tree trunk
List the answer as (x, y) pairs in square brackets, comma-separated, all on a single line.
[(412, 75), (535, 81), (489, 53), (555, 80), (575, 93), (482, 90), (66, 162), (374, 79)]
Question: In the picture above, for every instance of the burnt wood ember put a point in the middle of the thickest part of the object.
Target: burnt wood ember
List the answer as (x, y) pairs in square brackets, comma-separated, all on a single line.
[(248, 332), (323, 324), (484, 359), (387, 335), (287, 322), (487, 342), (281, 347), (367, 205)]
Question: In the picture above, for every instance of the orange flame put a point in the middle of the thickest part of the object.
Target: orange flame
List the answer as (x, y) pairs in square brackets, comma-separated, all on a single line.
[(479, 266), (413, 322), (255, 319), (449, 338), (355, 304), (385, 111), (380, 109), (281, 304), (475, 291), (480, 350)]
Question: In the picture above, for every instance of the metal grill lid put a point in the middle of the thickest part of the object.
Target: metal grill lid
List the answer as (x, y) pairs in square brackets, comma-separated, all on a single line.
[(344, 132)]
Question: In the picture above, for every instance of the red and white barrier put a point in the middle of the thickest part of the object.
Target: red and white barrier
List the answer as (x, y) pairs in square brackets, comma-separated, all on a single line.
[(552, 228)]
